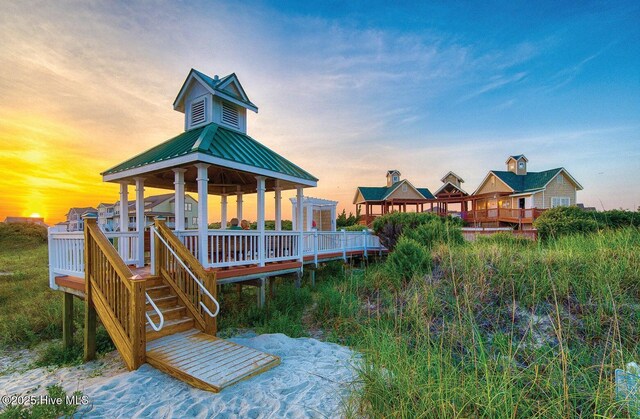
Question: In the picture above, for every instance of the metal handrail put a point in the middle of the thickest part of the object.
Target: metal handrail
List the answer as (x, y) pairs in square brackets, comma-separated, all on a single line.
[(202, 287), (157, 310)]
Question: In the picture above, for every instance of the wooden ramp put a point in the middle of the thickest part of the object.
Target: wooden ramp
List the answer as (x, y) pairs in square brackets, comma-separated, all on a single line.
[(205, 361)]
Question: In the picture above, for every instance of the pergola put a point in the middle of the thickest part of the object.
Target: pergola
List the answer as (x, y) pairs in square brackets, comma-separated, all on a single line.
[(210, 160)]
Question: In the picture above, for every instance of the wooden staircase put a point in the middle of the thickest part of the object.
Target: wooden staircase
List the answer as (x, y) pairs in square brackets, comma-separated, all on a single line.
[(176, 318), (184, 295)]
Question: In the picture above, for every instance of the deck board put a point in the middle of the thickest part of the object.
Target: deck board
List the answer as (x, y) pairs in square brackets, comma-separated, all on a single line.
[(205, 361)]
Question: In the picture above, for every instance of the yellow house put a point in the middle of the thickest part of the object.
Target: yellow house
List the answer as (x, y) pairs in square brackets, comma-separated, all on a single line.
[(519, 196)]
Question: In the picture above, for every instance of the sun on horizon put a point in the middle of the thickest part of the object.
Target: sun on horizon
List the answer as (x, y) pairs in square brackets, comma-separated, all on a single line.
[(35, 215)]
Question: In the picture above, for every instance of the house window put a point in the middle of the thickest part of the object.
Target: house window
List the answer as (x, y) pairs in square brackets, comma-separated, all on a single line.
[(560, 201), (194, 220), (404, 188), (521, 165), (230, 115), (560, 180), (511, 166), (395, 179), (187, 206)]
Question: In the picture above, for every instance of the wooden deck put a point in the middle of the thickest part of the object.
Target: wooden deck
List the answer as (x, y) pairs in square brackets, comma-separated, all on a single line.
[(205, 361)]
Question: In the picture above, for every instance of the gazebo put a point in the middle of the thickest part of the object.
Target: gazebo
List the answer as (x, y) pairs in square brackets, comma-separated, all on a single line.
[(213, 156)]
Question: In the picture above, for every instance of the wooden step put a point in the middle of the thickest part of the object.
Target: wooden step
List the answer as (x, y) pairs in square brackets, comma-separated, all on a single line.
[(154, 281), (163, 302), (170, 327), (169, 313), (159, 291), (205, 361)]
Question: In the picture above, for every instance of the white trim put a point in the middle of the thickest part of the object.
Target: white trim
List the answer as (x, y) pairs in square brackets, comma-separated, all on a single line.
[(535, 191), (449, 183), (403, 181), (485, 179), (204, 158), (522, 157), (575, 182), (451, 173)]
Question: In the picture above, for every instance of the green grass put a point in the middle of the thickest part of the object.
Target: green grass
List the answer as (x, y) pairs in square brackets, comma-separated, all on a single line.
[(500, 328), (30, 312)]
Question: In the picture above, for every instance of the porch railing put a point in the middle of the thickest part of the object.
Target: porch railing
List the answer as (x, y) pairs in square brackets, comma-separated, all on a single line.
[(226, 248), (66, 251)]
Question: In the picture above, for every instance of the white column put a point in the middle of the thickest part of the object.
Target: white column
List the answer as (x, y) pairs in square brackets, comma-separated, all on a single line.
[(223, 211), (300, 218), (239, 205), (124, 206), (278, 199), (179, 200), (203, 212), (333, 218), (140, 221), (309, 217), (261, 248)]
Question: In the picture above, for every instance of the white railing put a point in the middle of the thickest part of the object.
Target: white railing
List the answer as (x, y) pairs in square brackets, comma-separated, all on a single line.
[(66, 255), (190, 240), (281, 246), (232, 248), (126, 243), (226, 248), (158, 312), (202, 288)]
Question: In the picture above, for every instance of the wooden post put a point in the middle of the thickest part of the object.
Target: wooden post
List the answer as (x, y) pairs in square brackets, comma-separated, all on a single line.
[(137, 322), (67, 320), (211, 323), (262, 292), (89, 310)]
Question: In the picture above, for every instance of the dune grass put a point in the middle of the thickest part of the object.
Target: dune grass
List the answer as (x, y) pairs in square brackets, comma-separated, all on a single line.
[(30, 312)]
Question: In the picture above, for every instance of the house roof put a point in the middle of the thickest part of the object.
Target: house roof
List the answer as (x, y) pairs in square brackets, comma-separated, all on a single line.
[(81, 210), (219, 142), (448, 185), (530, 182), (217, 87), (444, 178), (380, 193), (516, 158)]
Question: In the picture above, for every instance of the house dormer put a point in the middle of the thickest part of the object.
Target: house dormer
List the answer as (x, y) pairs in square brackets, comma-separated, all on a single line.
[(393, 176), (205, 99), (517, 164)]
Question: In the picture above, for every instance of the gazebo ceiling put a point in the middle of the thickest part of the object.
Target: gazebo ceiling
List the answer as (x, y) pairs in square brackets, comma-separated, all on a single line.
[(222, 180)]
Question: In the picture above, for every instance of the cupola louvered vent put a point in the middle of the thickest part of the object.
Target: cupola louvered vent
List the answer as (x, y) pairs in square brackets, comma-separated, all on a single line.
[(230, 115), (198, 112)]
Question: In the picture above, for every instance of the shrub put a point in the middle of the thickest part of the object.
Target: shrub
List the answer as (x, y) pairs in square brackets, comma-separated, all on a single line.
[(390, 227), (17, 235), (435, 232), (408, 259), (561, 221)]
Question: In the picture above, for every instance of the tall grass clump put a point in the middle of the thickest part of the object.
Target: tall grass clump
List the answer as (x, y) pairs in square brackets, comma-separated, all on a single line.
[(390, 227), (564, 221)]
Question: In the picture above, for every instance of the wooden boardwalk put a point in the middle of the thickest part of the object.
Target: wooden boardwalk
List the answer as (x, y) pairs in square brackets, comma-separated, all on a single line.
[(205, 361)]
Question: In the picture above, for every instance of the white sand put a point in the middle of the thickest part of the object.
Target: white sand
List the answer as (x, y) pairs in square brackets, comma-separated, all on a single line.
[(313, 380)]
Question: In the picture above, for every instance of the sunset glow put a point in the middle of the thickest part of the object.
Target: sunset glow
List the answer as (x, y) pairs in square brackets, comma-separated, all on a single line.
[(345, 93)]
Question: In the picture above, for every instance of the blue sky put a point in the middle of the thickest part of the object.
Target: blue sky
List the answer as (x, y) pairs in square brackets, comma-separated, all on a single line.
[(346, 90)]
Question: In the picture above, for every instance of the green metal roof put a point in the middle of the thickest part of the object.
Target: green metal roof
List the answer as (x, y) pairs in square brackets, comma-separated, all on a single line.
[(216, 141), (529, 182), (380, 193)]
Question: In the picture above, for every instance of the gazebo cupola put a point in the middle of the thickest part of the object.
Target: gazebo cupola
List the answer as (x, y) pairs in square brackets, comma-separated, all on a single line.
[(393, 176), (205, 99)]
